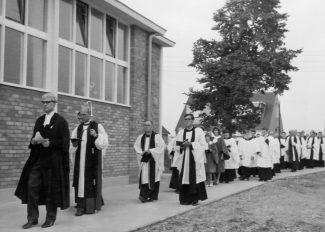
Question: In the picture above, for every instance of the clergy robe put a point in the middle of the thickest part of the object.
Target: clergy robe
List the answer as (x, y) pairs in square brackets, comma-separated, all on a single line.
[(150, 171), (246, 150), (312, 151), (87, 176), (192, 174), (303, 152), (54, 158), (264, 158), (283, 154), (293, 149), (175, 157), (321, 156), (275, 154), (232, 163)]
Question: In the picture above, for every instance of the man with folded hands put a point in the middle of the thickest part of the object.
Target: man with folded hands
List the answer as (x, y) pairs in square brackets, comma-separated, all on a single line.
[(149, 148)]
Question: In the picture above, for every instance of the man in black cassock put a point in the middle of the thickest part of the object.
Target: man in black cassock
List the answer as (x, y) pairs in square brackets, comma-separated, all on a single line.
[(293, 147), (45, 176), (149, 147), (89, 139)]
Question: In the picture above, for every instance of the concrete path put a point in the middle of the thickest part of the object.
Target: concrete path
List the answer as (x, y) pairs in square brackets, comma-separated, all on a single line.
[(123, 211)]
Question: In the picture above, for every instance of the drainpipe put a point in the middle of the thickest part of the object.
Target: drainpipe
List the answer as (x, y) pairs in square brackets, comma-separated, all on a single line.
[(151, 36)]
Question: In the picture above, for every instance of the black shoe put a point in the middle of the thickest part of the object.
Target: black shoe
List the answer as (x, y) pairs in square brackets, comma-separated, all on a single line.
[(184, 203), (79, 212), (47, 223), (30, 224)]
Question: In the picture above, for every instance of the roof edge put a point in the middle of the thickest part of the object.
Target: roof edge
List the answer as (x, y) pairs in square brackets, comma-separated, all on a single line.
[(163, 41)]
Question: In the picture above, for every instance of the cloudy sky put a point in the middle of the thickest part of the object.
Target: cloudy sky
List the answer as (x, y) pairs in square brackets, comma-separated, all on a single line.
[(302, 107)]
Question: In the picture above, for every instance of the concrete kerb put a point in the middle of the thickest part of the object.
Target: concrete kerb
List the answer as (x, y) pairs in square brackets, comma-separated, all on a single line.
[(203, 204)]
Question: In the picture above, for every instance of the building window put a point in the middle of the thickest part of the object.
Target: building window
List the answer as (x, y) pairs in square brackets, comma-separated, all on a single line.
[(95, 83), (37, 14), (121, 85), (109, 81), (110, 36), (122, 42), (81, 74), (96, 30), (65, 70), (13, 62), (82, 24), (36, 62), (66, 13), (15, 10)]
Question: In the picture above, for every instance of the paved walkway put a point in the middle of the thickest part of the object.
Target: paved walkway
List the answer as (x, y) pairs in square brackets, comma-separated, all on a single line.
[(123, 212)]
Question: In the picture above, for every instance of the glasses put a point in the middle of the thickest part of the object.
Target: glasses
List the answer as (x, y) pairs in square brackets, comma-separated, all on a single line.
[(46, 102), (187, 119)]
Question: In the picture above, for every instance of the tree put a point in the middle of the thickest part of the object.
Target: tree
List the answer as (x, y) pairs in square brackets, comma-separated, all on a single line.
[(250, 57)]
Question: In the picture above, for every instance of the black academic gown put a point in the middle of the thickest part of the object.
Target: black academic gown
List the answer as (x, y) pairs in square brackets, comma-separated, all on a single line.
[(93, 199), (55, 158)]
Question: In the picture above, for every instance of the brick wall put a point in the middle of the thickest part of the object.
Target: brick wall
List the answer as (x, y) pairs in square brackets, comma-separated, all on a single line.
[(20, 107)]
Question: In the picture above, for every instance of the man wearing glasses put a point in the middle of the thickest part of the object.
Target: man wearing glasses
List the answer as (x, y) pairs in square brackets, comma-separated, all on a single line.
[(191, 144), (45, 176)]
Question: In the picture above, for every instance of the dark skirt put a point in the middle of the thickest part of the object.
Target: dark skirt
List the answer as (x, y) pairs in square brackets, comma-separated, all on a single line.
[(210, 165), (174, 180), (311, 163), (147, 193), (245, 172), (277, 168), (186, 196), (294, 166)]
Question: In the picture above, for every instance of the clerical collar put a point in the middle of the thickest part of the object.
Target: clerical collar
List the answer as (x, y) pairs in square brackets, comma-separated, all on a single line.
[(148, 135), (186, 129), (86, 123)]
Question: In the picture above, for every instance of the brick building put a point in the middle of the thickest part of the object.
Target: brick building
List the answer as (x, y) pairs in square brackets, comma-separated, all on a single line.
[(91, 50)]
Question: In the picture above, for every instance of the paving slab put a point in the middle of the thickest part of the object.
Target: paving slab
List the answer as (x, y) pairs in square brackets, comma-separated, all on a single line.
[(122, 210)]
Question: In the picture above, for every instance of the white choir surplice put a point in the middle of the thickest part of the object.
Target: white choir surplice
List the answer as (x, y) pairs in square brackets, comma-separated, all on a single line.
[(313, 147), (157, 153), (264, 158), (282, 142), (303, 151), (101, 143), (275, 150), (233, 162), (177, 159), (246, 150), (199, 146)]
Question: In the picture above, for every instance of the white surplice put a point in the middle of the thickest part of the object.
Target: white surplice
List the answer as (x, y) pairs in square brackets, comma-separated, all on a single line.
[(246, 151), (199, 146), (264, 153), (157, 153), (101, 143)]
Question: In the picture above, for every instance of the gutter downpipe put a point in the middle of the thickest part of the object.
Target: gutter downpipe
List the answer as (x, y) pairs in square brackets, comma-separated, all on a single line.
[(151, 36)]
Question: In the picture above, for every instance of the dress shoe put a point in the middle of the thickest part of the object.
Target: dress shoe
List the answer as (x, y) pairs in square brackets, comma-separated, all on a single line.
[(194, 203), (79, 212), (30, 224), (47, 223)]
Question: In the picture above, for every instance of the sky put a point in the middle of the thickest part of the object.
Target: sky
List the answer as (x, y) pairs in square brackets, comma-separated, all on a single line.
[(186, 21)]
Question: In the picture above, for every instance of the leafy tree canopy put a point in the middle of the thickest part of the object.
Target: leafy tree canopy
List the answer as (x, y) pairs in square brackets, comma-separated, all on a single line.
[(250, 57)]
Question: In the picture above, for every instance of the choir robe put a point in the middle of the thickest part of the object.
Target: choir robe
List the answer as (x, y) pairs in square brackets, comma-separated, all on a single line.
[(303, 152), (232, 163), (283, 155), (276, 154), (150, 172), (175, 164), (87, 177), (246, 150), (264, 158), (293, 150), (312, 151), (192, 174), (321, 153)]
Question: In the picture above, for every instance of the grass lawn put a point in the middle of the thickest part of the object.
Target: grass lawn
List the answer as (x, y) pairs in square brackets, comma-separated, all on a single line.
[(294, 204)]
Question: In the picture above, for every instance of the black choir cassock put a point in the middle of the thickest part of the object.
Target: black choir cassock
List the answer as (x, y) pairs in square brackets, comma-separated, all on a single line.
[(293, 152), (45, 176)]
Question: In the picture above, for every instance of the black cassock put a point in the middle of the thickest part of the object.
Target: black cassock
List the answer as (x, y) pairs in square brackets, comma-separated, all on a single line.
[(53, 160)]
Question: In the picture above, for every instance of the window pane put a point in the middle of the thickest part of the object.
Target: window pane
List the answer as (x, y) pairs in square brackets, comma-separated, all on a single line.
[(110, 36), (81, 74), (36, 62), (66, 19), (0, 7), (13, 56), (15, 10), (122, 42), (96, 30), (95, 78), (65, 69), (82, 24), (121, 85), (109, 81), (37, 14)]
